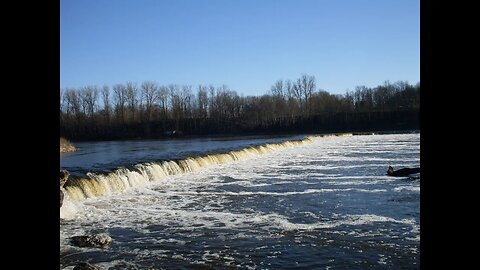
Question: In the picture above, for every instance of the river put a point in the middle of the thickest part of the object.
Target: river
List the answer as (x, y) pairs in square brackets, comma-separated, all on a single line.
[(245, 203)]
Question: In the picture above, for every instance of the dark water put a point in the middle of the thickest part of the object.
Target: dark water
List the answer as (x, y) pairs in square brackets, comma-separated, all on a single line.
[(325, 205), (105, 156)]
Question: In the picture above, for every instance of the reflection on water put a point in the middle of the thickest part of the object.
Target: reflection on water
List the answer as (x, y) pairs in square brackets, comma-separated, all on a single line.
[(99, 156)]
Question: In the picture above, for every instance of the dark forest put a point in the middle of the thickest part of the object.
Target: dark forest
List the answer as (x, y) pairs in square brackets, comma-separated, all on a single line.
[(149, 110)]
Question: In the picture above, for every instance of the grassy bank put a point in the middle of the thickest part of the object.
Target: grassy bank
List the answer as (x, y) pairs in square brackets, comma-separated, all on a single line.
[(66, 146)]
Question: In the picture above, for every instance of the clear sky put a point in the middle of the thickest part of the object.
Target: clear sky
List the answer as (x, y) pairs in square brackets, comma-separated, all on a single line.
[(245, 44)]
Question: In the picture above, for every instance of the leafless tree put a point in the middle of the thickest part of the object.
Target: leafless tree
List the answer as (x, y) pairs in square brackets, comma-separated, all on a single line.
[(120, 96), (213, 107), (277, 89), (106, 102), (73, 103), (303, 89), (202, 101), (63, 105), (175, 103), (280, 95), (186, 100), (89, 95), (132, 92), (162, 96), (149, 94), (288, 105)]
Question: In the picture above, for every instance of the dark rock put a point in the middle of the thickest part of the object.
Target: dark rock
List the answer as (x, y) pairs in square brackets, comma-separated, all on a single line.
[(61, 198), (97, 240), (86, 266), (64, 174), (403, 171)]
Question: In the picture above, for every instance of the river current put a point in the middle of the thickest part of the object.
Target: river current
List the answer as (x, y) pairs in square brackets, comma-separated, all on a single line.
[(315, 203)]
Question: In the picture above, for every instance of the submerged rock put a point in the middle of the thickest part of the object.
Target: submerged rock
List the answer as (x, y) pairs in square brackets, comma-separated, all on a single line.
[(86, 266), (97, 240)]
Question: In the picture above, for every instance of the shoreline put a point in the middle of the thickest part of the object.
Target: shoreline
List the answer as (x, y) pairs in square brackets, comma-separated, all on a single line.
[(66, 146), (248, 134)]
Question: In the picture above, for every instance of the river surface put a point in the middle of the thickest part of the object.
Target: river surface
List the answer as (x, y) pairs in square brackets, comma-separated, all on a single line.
[(325, 204)]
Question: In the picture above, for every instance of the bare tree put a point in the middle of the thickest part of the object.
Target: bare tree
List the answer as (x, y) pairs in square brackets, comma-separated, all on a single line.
[(289, 105), (202, 101), (106, 102), (73, 103), (162, 96), (120, 92), (174, 99), (186, 99), (279, 94), (349, 101), (149, 94), (132, 92), (61, 100), (213, 107), (83, 102), (90, 97), (363, 98), (304, 89), (175, 104), (62, 105), (277, 89)]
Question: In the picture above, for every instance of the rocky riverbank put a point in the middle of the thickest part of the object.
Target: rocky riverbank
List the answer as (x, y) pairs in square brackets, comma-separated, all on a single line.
[(101, 240)]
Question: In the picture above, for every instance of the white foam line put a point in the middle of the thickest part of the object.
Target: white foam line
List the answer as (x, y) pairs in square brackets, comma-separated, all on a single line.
[(347, 220), (353, 183), (278, 221), (288, 193), (409, 188)]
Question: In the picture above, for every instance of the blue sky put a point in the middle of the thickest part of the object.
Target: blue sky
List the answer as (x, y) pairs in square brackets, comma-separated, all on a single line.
[(245, 44)]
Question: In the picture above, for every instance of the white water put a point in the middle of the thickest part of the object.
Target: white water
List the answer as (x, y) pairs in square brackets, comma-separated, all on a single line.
[(123, 179), (322, 185)]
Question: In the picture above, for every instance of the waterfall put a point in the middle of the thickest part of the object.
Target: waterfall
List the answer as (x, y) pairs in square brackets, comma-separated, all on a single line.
[(123, 179)]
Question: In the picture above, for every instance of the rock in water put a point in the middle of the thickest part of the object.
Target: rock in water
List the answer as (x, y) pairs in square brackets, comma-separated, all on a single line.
[(86, 266), (61, 198), (64, 174), (97, 240), (403, 171)]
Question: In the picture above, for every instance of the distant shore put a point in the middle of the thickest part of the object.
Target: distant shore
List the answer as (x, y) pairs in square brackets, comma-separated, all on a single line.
[(66, 146), (252, 134)]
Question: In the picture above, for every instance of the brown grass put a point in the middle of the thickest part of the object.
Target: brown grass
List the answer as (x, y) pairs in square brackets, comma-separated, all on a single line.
[(66, 146)]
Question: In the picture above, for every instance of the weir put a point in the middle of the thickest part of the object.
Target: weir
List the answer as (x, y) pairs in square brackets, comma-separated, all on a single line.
[(123, 179)]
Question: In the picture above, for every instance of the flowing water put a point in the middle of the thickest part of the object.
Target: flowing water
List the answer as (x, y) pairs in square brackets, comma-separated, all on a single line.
[(317, 202)]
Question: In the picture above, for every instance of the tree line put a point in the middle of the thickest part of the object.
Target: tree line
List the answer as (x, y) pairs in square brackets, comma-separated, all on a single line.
[(150, 110)]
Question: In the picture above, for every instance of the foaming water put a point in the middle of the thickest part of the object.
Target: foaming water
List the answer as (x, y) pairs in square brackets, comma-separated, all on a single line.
[(309, 205), (124, 179)]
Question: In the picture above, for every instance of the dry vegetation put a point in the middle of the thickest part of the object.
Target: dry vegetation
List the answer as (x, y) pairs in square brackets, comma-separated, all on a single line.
[(66, 146)]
